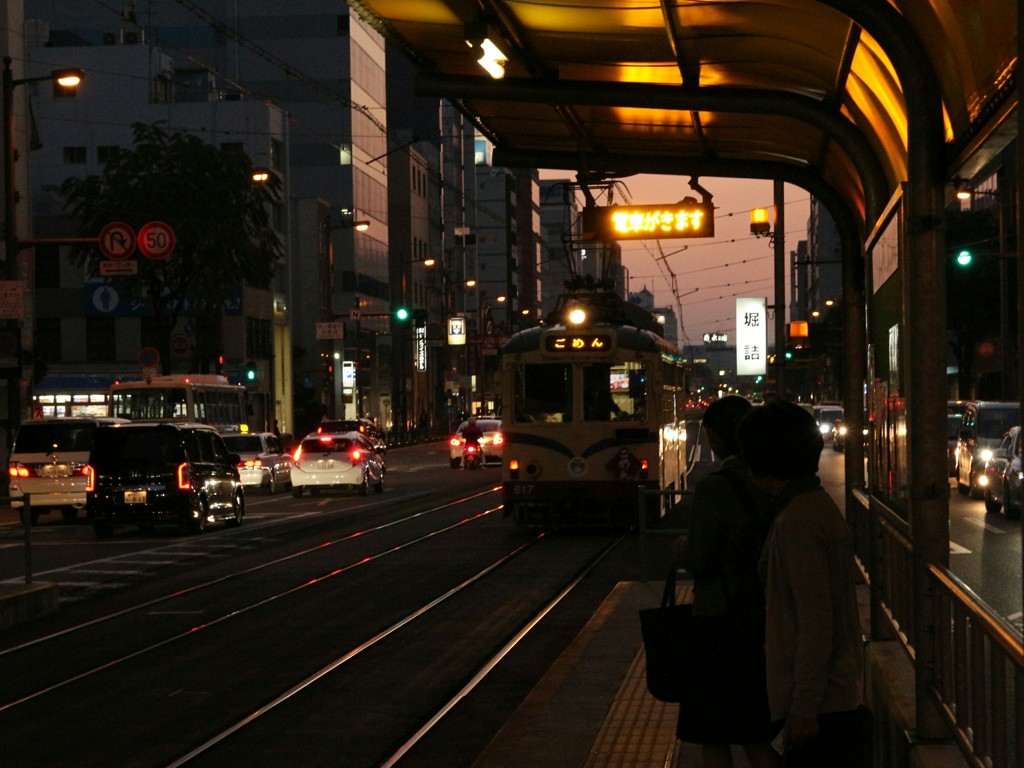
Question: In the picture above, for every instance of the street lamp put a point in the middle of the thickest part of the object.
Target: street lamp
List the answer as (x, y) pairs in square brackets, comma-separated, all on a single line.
[(66, 78)]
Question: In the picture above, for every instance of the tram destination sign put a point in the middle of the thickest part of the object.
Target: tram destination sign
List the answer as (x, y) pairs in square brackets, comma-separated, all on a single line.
[(687, 218), (578, 342)]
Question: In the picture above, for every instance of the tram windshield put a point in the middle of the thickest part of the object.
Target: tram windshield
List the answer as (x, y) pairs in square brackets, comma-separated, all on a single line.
[(544, 393), (608, 392), (614, 392)]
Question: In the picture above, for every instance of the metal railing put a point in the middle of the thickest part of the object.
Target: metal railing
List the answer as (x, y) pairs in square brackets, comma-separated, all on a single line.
[(979, 674), (978, 681)]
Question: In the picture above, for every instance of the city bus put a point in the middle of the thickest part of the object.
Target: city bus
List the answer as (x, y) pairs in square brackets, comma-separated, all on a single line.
[(203, 398)]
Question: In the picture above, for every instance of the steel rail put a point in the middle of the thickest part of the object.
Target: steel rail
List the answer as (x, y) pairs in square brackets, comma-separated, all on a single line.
[(235, 613), (237, 574)]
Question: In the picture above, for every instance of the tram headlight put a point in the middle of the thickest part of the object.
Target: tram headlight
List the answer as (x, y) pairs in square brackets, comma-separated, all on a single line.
[(577, 316)]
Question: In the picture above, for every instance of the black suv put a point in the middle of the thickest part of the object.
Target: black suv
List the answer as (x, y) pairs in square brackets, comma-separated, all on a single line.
[(153, 473)]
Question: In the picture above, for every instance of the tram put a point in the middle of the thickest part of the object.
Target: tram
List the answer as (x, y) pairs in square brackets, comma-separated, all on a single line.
[(593, 407)]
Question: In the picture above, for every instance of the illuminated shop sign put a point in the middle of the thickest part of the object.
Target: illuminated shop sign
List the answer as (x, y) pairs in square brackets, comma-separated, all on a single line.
[(687, 218), (578, 342)]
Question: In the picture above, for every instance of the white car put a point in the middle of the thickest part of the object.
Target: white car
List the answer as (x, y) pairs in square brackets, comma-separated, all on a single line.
[(264, 461), (48, 462), (336, 460)]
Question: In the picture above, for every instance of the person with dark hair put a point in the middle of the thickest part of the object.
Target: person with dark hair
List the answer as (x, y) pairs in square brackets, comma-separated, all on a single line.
[(726, 701), (813, 637)]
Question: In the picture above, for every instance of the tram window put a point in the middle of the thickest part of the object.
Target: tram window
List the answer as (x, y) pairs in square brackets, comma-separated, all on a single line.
[(614, 392), (544, 393)]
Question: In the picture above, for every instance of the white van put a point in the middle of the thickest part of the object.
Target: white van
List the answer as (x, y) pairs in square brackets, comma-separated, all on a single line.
[(48, 461)]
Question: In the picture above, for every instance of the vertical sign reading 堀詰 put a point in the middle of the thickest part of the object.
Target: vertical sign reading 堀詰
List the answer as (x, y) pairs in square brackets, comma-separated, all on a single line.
[(751, 337)]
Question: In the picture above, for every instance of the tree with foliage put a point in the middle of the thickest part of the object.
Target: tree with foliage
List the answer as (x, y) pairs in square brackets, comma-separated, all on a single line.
[(220, 220)]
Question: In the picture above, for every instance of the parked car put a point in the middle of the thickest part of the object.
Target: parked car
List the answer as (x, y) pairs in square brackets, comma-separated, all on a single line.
[(981, 429), (365, 427), (826, 416), (492, 444), (264, 463), (146, 473), (336, 460), (1002, 479), (48, 461)]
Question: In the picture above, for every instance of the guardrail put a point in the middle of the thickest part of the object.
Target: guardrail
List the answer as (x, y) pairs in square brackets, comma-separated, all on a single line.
[(978, 685), (979, 674)]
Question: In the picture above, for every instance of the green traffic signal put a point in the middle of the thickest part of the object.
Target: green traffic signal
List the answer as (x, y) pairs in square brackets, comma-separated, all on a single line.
[(964, 258), (250, 372), (401, 314)]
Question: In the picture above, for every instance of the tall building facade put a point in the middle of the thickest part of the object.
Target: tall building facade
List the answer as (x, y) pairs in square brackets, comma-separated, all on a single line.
[(325, 70), (85, 331)]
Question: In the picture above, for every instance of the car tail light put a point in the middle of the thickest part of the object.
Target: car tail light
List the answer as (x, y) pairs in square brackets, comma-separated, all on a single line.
[(90, 478), (356, 456), (297, 455), (498, 439), (251, 463), (645, 467), (184, 484), (18, 469), (455, 442)]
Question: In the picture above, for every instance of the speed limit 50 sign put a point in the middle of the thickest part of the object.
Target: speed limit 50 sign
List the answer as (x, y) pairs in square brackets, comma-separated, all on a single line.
[(156, 240)]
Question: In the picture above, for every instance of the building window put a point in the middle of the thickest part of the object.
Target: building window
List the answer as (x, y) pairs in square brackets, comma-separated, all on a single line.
[(74, 155), (99, 340), (48, 339)]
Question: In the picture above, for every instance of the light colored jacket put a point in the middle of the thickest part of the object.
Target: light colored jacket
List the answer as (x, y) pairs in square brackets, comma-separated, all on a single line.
[(813, 635)]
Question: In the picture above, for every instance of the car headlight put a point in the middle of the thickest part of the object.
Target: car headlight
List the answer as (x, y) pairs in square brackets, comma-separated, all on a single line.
[(824, 429), (842, 430), (986, 455)]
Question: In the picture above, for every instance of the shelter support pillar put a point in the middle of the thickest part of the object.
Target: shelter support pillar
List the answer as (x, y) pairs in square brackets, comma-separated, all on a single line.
[(923, 358)]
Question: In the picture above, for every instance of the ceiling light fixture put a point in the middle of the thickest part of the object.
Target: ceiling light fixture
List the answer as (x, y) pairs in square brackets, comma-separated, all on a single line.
[(492, 58)]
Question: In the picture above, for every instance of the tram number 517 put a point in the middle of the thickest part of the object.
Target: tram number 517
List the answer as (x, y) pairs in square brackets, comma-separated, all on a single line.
[(522, 490)]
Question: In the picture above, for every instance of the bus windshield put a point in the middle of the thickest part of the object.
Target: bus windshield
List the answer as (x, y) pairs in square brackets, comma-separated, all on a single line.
[(202, 398), (150, 403)]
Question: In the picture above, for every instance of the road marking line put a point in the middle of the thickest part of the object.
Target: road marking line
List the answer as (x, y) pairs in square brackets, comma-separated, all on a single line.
[(982, 524)]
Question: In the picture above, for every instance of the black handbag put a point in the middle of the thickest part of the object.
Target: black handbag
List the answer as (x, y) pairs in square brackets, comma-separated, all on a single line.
[(668, 636)]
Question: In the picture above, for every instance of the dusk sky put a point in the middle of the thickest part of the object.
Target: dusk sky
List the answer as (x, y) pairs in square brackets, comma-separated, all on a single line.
[(718, 269)]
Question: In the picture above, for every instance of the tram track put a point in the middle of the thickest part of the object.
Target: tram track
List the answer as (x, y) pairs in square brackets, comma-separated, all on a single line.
[(211, 752), (227, 577), (149, 669)]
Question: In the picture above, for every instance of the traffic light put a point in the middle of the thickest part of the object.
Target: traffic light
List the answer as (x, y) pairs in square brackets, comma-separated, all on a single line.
[(250, 374), (964, 258), (402, 314)]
